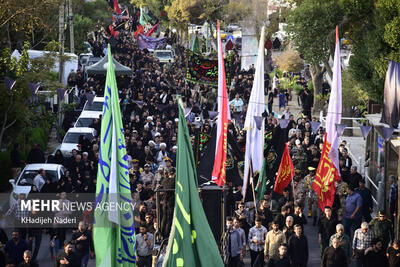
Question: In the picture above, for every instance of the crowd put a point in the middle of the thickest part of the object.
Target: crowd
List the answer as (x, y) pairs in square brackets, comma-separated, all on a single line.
[(272, 230)]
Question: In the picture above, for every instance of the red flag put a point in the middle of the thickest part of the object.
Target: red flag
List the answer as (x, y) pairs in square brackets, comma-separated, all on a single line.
[(219, 169), (140, 29), (324, 181), (152, 30), (116, 7), (285, 172)]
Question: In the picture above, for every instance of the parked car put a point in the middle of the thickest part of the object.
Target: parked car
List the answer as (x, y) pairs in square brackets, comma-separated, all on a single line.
[(71, 139), (96, 106), (86, 118), (24, 183)]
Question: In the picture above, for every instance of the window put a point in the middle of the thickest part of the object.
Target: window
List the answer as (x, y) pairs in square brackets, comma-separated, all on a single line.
[(73, 138)]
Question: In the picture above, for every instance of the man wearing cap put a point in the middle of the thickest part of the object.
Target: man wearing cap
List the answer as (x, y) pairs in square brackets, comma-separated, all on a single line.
[(312, 197), (382, 228), (366, 196), (146, 176), (299, 191)]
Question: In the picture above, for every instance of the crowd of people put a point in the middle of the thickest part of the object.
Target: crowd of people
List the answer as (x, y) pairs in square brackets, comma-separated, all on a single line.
[(273, 230)]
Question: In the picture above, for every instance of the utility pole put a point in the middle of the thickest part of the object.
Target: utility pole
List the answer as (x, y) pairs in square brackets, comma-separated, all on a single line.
[(61, 40), (71, 27)]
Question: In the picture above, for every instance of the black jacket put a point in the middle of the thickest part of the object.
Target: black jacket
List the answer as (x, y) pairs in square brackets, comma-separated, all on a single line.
[(298, 249), (334, 257)]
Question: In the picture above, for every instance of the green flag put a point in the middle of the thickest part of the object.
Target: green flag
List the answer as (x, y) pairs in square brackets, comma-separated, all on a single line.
[(196, 45), (261, 183), (114, 232), (191, 242), (144, 17)]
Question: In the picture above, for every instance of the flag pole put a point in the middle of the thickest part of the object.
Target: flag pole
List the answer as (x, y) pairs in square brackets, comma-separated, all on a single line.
[(252, 187)]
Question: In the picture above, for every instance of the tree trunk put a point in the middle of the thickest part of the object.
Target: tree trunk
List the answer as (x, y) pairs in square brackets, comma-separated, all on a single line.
[(317, 75)]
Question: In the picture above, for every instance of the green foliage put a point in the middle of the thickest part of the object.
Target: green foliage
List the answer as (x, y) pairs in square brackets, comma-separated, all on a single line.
[(310, 86), (297, 88), (290, 61), (374, 42), (352, 92), (310, 26)]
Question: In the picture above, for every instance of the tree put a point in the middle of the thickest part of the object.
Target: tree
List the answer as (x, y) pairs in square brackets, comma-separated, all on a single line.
[(374, 42), (290, 61), (310, 27), (21, 19), (16, 106)]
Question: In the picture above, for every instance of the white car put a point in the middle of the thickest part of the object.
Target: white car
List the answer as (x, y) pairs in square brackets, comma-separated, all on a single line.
[(97, 105), (25, 180), (71, 139), (86, 118), (164, 56)]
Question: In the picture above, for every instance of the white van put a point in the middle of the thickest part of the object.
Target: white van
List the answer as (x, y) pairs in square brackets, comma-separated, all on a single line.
[(86, 118), (97, 105)]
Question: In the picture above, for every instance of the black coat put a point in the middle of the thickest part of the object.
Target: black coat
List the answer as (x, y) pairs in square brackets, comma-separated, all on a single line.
[(334, 257), (298, 249)]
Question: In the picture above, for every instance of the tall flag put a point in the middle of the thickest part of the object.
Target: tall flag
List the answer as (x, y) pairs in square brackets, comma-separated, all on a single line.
[(219, 169), (255, 138), (196, 44), (391, 99), (285, 172), (191, 242), (114, 231), (116, 7), (328, 167), (144, 17)]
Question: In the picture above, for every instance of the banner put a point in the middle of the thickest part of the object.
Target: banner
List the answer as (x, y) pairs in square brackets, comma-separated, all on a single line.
[(191, 242), (285, 172), (149, 43), (205, 71)]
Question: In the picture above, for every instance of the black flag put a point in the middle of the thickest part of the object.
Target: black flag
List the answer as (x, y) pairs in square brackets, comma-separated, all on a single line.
[(391, 99)]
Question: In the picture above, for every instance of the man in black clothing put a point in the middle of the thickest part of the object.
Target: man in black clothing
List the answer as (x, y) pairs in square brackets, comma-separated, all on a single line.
[(281, 217), (366, 196), (354, 178), (36, 155), (327, 228), (334, 256), (16, 161), (270, 100), (282, 260), (83, 241), (28, 261), (67, 258), (298, 248)]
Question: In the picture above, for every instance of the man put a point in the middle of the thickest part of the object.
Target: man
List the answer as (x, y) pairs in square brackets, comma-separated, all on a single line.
[(147, 176), (282, 259), (15, 247), (28, 261), (288, 230), (265, 214), (16, 162), (144, 244), (375, 255), (168, 200), (83, 243), (326, 228), (352, 218), (233, 244), (256, 240), (236, 226), (67, 258), (236, 104), (382, 228), (298, 216), (19, 213), (273, 240), (366, 196), (281, 217), (334, 255), (298, 248), (39, 179), (361, 241), (393, 254), (312, 197), (344, 240), (393, 194)]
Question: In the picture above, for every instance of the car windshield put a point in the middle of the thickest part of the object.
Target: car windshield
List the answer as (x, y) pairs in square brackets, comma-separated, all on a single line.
[(165, 54), (73, 138), (84, 122), (26, 179), (96, 106)]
